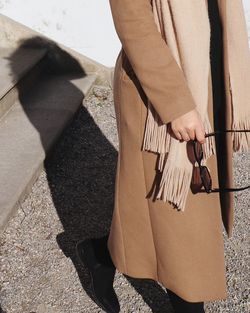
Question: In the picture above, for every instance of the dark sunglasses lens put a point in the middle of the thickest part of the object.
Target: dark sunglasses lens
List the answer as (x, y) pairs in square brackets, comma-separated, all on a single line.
[(198, 150), (206, 178)]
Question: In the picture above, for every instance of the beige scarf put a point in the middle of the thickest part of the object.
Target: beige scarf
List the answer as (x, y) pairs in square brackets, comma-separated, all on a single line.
[(185, 27)]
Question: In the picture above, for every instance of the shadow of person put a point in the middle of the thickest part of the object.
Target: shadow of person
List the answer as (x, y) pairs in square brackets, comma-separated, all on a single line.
[(80, 168), (152, 293)]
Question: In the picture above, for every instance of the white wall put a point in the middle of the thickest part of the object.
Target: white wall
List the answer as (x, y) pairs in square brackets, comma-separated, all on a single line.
[(84, 25)]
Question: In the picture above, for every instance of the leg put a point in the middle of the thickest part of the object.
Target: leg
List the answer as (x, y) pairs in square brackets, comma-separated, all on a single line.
[(182, 306)]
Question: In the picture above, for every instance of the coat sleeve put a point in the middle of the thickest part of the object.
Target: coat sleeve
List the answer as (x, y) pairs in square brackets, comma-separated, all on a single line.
[(153, 63)]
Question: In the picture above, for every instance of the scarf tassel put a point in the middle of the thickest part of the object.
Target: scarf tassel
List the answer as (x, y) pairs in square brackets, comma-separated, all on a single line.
[(241, 140), (156, 133), (174, 185), (175, 181)]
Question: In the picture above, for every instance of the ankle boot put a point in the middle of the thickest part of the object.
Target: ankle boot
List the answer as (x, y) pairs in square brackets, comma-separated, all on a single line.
[(93, 253), (182, 306)]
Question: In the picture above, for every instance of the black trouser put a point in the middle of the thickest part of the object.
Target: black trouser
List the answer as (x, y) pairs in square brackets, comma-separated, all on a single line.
[(182, 306), (216, 59)]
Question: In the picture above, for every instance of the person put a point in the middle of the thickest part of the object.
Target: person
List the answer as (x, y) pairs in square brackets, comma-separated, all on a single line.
[(150, 239)]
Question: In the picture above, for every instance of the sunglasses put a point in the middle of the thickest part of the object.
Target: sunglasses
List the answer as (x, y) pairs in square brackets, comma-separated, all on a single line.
[(205, 176)]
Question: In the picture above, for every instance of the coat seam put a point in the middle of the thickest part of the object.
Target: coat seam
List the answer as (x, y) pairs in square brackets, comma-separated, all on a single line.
[(118, 175), (156, 259)]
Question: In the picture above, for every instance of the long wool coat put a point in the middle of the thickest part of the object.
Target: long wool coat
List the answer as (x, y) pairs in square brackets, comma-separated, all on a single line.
[(184, 251)]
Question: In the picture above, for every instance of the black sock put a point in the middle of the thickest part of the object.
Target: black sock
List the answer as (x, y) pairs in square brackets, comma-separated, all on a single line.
[(182, 306)]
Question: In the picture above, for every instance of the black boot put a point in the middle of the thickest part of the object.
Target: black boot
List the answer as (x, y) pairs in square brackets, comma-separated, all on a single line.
[(182, 306), (93, 253)]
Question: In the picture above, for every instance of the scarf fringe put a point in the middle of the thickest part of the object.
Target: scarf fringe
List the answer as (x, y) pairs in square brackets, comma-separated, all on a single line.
[(209, 146), (156, 136), (174, 185), (175, 181), (241, 140)]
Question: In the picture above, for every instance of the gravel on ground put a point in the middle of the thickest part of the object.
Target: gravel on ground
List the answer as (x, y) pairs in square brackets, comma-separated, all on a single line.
[(73, 199)]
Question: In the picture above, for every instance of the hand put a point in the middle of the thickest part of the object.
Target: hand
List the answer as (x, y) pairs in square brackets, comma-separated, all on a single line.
[(189, 126)]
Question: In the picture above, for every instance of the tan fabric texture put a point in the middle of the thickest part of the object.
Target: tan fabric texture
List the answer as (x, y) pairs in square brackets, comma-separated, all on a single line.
[(149, 238), (185, 27)]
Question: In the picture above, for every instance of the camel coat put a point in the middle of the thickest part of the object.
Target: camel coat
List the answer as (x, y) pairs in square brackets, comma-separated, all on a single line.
[(184, 251)]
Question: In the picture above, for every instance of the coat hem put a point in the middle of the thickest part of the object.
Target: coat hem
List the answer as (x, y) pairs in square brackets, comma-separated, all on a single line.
[(218, 297)]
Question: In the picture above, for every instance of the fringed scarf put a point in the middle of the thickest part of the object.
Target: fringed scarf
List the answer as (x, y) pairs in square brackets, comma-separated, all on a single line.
[(185, 27)]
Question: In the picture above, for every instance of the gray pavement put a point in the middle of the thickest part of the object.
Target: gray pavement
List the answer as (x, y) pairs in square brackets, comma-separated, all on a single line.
[(73, 199)]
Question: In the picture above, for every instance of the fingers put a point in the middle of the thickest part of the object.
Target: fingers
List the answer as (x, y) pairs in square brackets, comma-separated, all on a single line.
[(200, 135), (190, 134), (177, 135), (185, 135), (181, 134), (189, 127)]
